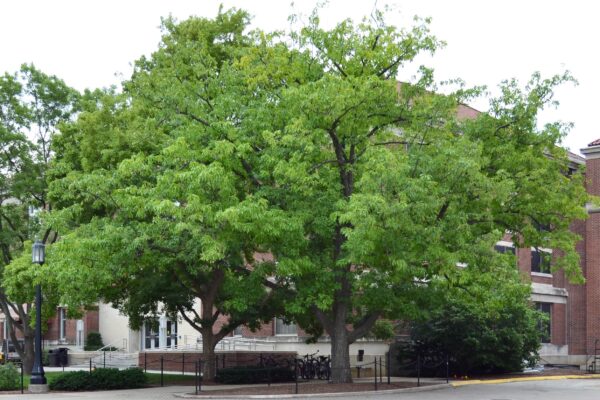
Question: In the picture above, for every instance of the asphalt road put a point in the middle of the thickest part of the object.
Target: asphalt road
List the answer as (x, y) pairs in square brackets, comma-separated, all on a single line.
[(571, 389)]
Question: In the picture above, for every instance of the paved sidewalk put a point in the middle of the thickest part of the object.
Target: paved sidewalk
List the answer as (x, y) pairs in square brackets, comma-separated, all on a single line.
[(155, 393), (173, 392), (578, 386)]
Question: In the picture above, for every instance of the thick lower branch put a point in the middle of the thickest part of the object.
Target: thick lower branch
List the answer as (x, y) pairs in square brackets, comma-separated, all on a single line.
[(363, 327)]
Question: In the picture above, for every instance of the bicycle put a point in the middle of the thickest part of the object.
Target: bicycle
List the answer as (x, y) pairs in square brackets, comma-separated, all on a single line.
[(308, 366), (324, 367)]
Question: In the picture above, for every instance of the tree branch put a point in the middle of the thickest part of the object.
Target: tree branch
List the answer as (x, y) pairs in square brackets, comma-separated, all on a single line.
[(392, 65), (226, 330), (249, 170), (188, 319), (324, 319), (442, 213), (363, 327), (194, 117), (319, 165), (12, 226), (395, 142)]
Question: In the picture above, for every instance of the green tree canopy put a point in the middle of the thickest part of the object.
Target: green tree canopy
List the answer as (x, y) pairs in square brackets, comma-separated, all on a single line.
[(32, 105), (229, 142), (160, 218), (391, 186)]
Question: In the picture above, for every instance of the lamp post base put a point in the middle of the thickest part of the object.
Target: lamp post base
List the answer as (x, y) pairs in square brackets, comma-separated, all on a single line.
[(38, 388)]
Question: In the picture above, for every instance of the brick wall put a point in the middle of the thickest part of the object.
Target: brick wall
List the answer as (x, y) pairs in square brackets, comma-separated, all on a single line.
[(592, 259), (52, 333), (576, 311), (91, 322), (559, 315), (185, 361), (265, 330)]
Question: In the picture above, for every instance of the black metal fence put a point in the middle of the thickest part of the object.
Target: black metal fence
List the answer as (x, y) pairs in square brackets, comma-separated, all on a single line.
[(304, 368), (378, 365)]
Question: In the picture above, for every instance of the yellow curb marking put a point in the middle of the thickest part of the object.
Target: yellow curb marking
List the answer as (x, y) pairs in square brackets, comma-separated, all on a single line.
[(531, 378)]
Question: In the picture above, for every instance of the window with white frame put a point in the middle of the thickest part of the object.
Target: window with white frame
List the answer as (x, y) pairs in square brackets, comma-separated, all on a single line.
[(283, 328), (540, 261), (62, 324), (504, 249), (545, 326)]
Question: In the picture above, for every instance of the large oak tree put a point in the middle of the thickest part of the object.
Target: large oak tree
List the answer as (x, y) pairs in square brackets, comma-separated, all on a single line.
[(392, 185)]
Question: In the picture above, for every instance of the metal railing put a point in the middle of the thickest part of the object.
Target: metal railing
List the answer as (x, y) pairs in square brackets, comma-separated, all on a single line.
[(110, 356), (226, 344), (111, 346)]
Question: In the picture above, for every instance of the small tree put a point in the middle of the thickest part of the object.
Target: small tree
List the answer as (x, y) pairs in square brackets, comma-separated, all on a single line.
[(93, 341), (32, 105)]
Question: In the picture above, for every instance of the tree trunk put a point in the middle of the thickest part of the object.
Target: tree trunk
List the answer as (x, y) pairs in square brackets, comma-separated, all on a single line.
[(209, 368), (25, 350), (28, 354), (340, 341), (340, 353)]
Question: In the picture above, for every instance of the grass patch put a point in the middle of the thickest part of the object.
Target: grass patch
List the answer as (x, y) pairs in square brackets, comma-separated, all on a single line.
[(49, 377), (153, 379)]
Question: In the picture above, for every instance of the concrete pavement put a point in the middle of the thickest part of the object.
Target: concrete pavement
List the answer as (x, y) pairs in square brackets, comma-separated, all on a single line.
[(555, 389)]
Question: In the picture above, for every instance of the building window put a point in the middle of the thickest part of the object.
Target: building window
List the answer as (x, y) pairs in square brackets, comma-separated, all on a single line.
[(545, 325), (540, 261), (171, 334), (150, 332), (504, 249), (238, 331), (62, 324), (282, 328), (540, 227)]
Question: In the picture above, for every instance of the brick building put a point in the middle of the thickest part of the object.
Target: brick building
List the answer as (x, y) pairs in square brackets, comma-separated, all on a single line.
[(574, 310)]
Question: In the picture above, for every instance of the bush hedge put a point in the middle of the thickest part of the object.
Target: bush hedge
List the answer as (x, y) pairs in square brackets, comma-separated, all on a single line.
[(93, 341), (99, 379), (486, 324), (10, 378), (236, 375)]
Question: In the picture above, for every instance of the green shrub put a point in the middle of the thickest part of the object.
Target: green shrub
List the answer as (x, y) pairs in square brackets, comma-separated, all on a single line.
[(490, 327), (93, 341), (10, 378), (237, 375), (100, 379)]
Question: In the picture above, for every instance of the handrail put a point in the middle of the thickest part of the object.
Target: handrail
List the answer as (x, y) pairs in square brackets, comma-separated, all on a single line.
[(225, 344), (112, 345)]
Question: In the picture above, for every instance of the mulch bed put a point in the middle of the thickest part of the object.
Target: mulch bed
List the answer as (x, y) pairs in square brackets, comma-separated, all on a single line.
[(310, 388)]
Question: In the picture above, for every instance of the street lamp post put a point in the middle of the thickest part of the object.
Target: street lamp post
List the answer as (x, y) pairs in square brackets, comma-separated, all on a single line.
[(38, 379)]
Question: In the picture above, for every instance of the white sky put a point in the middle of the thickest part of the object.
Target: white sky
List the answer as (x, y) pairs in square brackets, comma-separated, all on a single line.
[(92, 43)]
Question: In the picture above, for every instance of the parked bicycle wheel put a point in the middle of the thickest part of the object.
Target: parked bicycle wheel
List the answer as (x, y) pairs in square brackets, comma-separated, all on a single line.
[(324, 368)]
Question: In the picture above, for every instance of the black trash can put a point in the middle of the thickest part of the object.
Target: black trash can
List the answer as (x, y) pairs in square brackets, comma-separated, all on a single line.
[(63, 356), (53, 356)]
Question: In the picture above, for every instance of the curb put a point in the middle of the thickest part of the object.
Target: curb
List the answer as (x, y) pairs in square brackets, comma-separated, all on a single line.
[(527, 379), (300, 395)]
